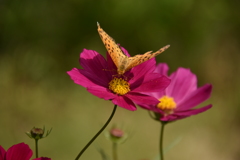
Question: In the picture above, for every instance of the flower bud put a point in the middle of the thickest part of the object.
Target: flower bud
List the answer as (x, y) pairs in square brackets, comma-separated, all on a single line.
[(116, 135), (38, 133)]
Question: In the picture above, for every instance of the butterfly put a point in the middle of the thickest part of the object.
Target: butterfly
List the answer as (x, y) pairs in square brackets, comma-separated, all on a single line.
[(122, 61)]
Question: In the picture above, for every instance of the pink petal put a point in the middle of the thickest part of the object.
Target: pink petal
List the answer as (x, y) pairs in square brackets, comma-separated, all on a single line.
[(142, 100), (135, 83), (142, 70), (155, 85), (157, 110), (112, 67), (2, 153), (158, 95), (162, 68), (84, 78), (79, 78), (95, 64), (19, 151), (124, 102), (124, 51), (91, 60), (195, 98), (101, 92), (97, 80), (183, 82), (184, 114)]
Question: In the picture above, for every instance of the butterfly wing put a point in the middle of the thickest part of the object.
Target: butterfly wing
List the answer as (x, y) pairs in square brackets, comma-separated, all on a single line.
[(112, 47), (139, 59)]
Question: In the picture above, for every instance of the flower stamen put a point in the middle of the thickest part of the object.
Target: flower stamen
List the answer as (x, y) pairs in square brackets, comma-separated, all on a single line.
[(119, 86), (167, 104)]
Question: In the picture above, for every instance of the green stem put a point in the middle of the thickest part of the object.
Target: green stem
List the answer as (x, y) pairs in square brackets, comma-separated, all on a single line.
[(98, 133), (161, 140), (36, 147), (114, 151)]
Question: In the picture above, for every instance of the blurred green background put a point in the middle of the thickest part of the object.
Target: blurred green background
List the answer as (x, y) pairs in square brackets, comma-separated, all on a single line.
[(41, 40)]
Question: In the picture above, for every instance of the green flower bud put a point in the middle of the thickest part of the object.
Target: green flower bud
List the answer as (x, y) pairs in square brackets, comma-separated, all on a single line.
[(38, 133)]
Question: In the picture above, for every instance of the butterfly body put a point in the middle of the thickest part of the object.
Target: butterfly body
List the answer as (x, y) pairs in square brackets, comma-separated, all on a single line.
[(122, 67), (122, 61)]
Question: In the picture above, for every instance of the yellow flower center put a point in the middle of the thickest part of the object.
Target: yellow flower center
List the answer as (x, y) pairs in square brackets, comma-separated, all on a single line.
[(119, 86), (167, 104)]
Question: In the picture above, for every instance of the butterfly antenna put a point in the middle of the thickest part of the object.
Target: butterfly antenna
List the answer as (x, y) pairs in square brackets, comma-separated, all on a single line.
[(98, 25), (162, 49), (165, 47)]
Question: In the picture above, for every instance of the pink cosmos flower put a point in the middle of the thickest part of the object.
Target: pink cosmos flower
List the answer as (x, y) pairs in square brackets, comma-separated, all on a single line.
[(180, 96), (100, 78), (19, 151)]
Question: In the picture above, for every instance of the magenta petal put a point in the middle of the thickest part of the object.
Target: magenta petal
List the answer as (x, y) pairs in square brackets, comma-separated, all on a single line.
[(184, 114), (142, 70), (142, 100), (183, 82), (79, 78), (155, 85), (2, 153), (19, 151), (113, 70), (101, 92), (91, 60), (162, 68), (157, 110), (197, 97), (124, 102), (85, 78), (125, 51), (95, 64), (95, 79)]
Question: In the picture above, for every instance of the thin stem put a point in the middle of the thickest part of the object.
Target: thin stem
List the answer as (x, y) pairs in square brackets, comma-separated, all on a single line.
[(161, 139), (36, 147), (98, 133), (114, 151)]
